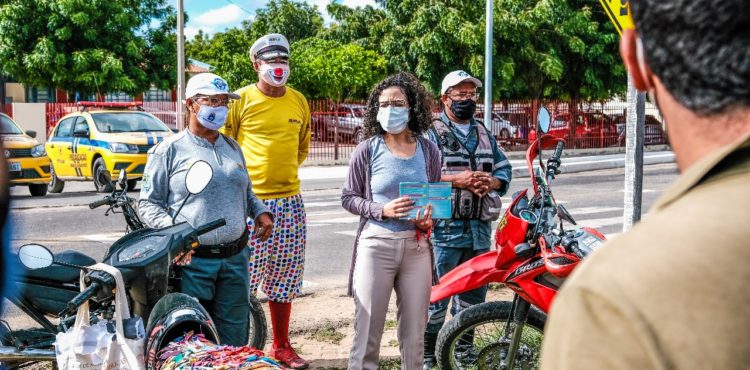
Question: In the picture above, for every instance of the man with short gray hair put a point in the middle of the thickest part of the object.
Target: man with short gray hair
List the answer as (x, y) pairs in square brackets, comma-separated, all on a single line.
[(672, 292)]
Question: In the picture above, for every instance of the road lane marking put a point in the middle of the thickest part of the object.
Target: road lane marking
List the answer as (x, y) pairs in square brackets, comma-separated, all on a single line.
[(323, 204)]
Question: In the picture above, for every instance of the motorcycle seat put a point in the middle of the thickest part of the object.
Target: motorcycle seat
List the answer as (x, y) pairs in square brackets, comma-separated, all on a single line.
[(62, 273)]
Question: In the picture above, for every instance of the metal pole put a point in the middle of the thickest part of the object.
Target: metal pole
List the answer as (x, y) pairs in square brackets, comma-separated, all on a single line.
[(634, 126), (488, 66), (180, 65)]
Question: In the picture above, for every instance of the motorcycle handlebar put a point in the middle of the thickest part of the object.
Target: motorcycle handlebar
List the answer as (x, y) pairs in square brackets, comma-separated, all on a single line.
[(215, 224), (83, 296), (101, 202), (558, 151)]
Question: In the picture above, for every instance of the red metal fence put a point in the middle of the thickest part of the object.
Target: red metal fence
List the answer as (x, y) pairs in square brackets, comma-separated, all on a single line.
[(7, 109), (337, 127)]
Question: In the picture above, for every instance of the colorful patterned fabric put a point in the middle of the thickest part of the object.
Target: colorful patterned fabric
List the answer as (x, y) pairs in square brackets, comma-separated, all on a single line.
[(279, 261), (196, 352)]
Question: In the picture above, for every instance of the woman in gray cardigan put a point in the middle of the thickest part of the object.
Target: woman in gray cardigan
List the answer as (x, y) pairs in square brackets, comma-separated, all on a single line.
[(391, 253)]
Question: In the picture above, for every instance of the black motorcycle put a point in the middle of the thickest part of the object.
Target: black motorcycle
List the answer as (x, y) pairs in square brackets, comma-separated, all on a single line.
[(120, 202), (48, 285)]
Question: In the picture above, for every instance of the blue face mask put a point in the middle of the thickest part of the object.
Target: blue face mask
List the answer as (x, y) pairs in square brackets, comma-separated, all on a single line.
[(393, 119), (212, 118)]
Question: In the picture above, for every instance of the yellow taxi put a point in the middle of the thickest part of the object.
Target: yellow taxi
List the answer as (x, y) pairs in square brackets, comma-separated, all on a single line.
[(100, 140), (28, 164)]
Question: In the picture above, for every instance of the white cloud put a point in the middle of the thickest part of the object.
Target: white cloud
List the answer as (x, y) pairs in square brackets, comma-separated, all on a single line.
[(356, 3), (219, 16), (190, 31)]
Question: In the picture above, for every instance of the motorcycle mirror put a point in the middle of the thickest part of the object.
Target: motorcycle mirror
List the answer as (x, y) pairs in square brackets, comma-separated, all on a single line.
[(563, 213), (544, 119), (35, 256), (198, 177)]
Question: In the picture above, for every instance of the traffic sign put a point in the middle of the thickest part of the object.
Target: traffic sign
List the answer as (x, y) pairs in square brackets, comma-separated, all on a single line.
[(619, 12)]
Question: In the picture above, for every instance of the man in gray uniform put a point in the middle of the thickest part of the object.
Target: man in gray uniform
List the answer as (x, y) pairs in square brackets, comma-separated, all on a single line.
[(217, 275)]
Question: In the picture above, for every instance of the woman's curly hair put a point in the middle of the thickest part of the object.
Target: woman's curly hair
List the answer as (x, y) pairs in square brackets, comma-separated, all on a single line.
[(420, 112)]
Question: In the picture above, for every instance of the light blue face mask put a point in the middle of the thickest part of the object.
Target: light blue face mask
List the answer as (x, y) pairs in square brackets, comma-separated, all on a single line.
[(212, 118), (393, 119)]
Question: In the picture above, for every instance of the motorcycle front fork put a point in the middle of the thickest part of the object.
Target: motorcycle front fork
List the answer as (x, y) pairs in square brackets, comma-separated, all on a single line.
[(514, 329)]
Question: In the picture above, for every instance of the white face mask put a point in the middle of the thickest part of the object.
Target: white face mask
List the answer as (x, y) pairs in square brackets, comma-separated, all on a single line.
[(212, 118), (393, 119), (275, 74)]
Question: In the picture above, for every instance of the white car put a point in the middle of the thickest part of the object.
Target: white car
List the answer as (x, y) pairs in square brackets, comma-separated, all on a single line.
[(501, 128)]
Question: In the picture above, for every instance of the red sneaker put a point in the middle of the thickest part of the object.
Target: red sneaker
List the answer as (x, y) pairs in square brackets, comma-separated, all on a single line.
[(288, 357)]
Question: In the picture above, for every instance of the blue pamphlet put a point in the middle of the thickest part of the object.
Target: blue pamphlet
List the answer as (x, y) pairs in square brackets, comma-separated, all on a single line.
[(436, 193)]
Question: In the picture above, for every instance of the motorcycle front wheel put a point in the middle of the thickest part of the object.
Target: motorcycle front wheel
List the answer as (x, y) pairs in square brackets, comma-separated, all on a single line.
[(475, 338)]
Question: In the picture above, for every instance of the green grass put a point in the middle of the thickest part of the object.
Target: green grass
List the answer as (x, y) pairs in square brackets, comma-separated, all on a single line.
[(390, 324), (327, 334), (495, 286), (392, 343), (390, 364)]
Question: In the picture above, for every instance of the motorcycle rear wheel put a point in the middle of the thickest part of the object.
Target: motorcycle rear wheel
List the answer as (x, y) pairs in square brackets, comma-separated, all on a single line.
[(484, 324)]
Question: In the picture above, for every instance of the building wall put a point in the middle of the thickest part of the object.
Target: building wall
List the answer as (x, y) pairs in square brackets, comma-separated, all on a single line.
[(15, 92), (32, 116)]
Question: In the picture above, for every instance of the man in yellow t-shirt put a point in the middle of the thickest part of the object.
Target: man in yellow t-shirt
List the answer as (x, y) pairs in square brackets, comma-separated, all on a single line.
[(271, 122)]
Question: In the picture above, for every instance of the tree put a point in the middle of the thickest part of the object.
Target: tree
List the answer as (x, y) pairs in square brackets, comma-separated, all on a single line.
[(327, 69), (364, 26), (546, 48), (88, 46), (295, 20), (227, 53), (432, 38)]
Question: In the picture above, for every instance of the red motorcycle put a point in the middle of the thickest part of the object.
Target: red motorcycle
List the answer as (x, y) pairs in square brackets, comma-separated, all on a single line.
[(534, 254)]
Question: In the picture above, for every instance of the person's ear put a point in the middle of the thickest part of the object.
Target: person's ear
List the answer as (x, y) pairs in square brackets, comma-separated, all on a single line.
[(190, 102), (256, 66), (633, 54)]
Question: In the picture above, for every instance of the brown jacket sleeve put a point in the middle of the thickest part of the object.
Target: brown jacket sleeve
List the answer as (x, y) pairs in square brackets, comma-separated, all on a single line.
[(586, 330)]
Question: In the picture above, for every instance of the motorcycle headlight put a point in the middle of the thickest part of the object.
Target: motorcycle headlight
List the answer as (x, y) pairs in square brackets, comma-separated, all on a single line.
[(141, 249), (38, 151), (123, 148)]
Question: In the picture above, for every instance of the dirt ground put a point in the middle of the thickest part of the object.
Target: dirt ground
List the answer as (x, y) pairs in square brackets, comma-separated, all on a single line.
[(322, 328)]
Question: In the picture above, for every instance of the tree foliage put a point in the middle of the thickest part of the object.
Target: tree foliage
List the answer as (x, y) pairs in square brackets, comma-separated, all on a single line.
[(542, 48), (227, 53), (327, 69), (295, 20), (88, 46), (545, 48)]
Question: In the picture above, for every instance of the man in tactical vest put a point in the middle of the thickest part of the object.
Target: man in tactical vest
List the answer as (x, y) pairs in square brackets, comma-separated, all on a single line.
[(480, 174)]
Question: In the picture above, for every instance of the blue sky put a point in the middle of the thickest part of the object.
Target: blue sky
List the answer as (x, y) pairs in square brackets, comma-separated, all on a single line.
[(218, 15)]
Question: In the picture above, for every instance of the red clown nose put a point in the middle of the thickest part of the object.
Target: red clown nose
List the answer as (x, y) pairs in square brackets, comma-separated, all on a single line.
[(278, 72)]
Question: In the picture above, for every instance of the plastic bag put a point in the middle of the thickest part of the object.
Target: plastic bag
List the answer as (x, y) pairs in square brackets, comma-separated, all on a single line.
[(86, 346)]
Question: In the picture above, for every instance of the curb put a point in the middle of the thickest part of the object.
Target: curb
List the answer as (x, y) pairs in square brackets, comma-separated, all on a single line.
[(602, 164)]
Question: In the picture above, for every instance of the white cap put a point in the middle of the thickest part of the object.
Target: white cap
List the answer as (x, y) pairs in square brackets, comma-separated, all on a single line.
[(456, 77), (207, 84), (273, 45)]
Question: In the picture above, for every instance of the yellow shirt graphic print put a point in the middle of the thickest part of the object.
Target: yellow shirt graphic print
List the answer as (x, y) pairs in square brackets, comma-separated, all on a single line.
[(274, 134)]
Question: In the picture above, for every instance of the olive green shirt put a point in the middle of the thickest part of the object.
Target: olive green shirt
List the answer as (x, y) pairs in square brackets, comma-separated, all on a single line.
[(673, 292)]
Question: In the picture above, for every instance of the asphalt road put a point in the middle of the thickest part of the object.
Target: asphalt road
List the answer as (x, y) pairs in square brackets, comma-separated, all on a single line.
[(64, 221)]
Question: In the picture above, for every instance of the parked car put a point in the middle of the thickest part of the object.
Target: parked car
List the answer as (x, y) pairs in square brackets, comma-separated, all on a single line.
[(345, 119), (28, 163), (592, 129), (653, 132), (102, 136), (501, 128)]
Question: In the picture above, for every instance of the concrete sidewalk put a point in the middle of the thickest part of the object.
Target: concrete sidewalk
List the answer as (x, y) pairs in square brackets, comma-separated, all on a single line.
[(318, 174)]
